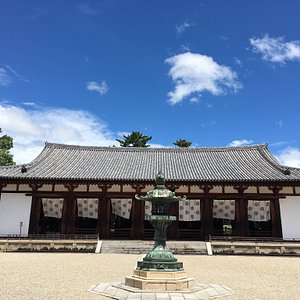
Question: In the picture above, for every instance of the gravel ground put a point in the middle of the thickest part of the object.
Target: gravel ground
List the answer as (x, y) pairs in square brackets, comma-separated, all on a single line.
[(67, 276)]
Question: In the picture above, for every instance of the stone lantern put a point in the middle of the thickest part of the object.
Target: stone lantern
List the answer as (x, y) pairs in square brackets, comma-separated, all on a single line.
[(159, 270)]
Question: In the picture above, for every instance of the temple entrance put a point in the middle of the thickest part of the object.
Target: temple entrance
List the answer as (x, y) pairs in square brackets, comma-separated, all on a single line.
[(189, 219), (120, 218), (259, 218), (50, 225), (224, 223), (224, 227), (51, 215), (260, 229), (86, 220)]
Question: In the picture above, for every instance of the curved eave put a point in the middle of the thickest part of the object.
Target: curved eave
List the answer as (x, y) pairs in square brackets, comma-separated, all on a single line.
[(62, 163), (290, 182)]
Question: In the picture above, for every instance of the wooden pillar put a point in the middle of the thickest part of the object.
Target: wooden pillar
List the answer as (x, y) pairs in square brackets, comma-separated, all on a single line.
[(275, 217), (35, 214), (241, 215), (172, 231), (68, 217), (137, 216), (206, 217), (104, 217)]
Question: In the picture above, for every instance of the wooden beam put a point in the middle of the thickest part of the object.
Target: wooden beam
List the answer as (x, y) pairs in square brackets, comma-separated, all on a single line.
[(68, 217), (206, 217), (137, 216), (276, 219), (35, 215), (241, 216), (104, 217), (172, 230)]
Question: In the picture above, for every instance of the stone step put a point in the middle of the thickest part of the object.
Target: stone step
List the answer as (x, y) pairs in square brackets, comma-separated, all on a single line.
[(140, 247)]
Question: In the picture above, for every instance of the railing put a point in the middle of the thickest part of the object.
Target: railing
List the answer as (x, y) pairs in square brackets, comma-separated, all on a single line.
[(261, 233), (231, 233), (189, 234), (120, 233), (148, 234), (51, 236), (85, 231), (245, 239)]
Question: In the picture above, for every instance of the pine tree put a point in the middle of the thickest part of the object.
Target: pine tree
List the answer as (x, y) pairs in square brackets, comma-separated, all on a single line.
[(182, 143), (135, 139), (6, 143)]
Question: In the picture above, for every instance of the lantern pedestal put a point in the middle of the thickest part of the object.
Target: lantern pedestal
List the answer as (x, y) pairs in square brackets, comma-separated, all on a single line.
[(159, 270), (159, 281)]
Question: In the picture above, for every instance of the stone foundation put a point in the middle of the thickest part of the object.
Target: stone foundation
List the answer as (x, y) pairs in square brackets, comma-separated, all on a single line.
[(159, 281)]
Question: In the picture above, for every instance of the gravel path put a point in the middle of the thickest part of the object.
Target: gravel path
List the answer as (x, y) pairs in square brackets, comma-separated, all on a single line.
[(67, 276)]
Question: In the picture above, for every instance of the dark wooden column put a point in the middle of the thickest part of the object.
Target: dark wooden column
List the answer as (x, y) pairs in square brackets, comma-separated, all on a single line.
[(69, 210), (104, 217), (275, 212), (206, 206), (206, 217), (137, 216), (276, 218), (35, 212), (172, 231), (137, 213), (104, 211), (35, 215), (241, 215), (241, 211)]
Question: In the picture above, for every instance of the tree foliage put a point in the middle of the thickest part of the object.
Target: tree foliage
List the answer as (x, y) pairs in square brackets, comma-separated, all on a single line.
[(182, 143), (6, 143), (135, 139)]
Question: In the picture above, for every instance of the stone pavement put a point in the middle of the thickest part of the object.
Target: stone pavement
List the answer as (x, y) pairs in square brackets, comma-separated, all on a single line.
[(199, 291)]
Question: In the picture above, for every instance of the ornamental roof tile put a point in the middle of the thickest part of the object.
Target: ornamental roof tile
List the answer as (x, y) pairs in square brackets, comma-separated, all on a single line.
[(86, 163)]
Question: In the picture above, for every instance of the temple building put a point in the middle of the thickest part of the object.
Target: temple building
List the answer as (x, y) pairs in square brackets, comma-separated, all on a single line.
[(232, 191)]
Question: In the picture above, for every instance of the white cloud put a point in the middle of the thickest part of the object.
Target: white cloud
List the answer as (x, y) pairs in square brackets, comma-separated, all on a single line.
[(238, 143), (59, 125), (197, 73), (279, 123), (194, 100), (185, 48), (289, 157), (182, 27), (26, 124), (224, 38), (16, 74), (158, 146), (87, 9), (5, 79), (8, 75), (278, 144), (100, 88), (276, 49), (29, 103), (206, 124), (238, 61)]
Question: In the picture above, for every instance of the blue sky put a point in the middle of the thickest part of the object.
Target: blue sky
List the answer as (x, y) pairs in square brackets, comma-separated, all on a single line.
[(217, 73)]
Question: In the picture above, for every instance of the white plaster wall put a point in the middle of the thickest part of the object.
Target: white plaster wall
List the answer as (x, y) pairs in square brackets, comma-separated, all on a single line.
[(290, 217), (14, 208)]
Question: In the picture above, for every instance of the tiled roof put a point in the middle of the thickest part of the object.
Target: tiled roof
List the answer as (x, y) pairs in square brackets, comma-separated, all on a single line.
[(84, 163)]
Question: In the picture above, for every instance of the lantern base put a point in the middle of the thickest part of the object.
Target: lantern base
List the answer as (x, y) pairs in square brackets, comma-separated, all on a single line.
[(159, 281)]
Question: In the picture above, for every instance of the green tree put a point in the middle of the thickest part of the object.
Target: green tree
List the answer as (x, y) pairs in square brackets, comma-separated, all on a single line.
[(135, 139), (182, 143), (6, 143)]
